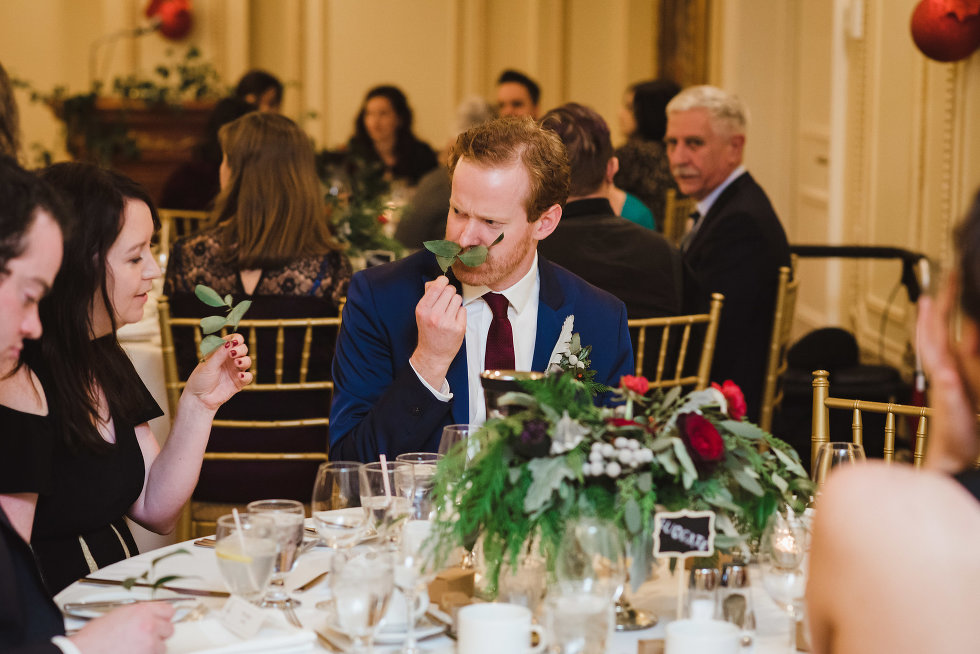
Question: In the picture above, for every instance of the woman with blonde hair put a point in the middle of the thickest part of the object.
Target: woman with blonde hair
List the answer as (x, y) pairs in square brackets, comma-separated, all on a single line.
[(270, 234)]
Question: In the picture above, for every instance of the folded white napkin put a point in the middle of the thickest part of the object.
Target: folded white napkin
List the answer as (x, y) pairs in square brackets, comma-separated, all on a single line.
[(209, 636)]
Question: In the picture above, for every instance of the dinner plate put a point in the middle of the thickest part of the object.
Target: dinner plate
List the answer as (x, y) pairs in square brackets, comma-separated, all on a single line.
[(424, 628), (120, 595)]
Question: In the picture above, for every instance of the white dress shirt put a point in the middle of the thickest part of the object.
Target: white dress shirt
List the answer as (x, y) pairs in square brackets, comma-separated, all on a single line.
[(523, 315)]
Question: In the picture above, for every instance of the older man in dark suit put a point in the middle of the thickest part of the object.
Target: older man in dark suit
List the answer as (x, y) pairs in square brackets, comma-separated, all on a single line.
[(736, 244)]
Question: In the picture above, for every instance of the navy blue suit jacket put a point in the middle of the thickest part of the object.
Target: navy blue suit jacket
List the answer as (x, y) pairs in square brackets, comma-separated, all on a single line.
[(379, 403)]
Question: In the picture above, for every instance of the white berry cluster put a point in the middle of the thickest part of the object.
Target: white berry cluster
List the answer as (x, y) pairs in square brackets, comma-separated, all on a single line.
[(612, 458), (574, 361)]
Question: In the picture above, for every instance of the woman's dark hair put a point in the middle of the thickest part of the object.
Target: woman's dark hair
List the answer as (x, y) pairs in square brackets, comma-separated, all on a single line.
[(22, 194), (649, 107), (403, 135), (967, 238), (256, 82), (76, 366), (227, 110)]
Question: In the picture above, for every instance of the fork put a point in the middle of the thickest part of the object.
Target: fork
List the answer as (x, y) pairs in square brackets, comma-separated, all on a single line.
[(197, 613)]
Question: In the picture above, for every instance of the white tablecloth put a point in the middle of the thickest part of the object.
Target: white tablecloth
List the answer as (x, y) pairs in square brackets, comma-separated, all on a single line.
[(200, 570)]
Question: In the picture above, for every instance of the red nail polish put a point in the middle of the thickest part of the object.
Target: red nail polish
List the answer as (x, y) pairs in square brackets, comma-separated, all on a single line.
[(228, 343), (242, 375), (234, 352), (238, 362)]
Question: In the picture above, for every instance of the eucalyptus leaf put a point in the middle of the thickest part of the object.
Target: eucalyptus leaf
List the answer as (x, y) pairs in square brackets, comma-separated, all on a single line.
[(208, 296), (445, 262), (228, 300), (474, 256), (632, 516), (680, 451), (748, 483), (165, 580), (210, 343), (644, 482), (236, 314), (546, 475), (779, 483), (447, 249), (744, 429), (211, 324), (791, 465)]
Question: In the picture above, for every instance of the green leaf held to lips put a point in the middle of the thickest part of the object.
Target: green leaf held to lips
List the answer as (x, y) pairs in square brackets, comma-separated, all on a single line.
[(212, 324), (447, 252)]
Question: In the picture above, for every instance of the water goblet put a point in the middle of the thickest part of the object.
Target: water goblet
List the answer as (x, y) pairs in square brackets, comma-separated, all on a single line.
[(424, 465), (385, 491), (288, 516), (783, 562), (362, 584), (452, 434), (246, 551), (338, 516), (834, 454), (413, 570)]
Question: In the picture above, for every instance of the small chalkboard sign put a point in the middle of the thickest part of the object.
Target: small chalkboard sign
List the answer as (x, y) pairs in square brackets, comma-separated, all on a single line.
[(680, 534)]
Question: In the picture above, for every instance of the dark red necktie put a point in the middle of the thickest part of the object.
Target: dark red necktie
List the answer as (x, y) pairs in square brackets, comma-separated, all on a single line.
[(500, 338)]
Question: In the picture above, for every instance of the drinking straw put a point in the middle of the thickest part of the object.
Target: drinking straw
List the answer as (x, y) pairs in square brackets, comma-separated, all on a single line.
[(384, 476)]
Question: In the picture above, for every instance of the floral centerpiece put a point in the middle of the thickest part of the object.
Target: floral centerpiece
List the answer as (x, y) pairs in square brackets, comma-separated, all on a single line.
[(559, 456)]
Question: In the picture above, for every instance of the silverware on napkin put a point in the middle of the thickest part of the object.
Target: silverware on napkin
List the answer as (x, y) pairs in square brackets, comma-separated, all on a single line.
[(111, 604), (176, 589)]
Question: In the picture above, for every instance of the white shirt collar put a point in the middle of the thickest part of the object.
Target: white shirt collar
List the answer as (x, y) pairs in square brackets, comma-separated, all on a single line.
[(518, 295), (704, 206)]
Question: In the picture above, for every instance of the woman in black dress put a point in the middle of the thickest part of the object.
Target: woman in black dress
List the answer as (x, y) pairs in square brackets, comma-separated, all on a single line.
[(383, 136), (104, 461)]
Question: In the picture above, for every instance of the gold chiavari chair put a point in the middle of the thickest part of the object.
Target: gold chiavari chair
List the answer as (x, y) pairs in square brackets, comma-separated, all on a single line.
[(177, 223), (685, 324), (823, 403), (281, 352), (676, 212), (782, 327)]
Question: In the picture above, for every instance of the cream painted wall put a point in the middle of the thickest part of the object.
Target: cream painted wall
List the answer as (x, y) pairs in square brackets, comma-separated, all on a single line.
[(329, 52)]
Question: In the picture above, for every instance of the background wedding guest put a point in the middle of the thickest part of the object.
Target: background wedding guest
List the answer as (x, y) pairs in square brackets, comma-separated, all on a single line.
[(644, 171), (383, 135), (31, 221), (262, 89), (737, 245), (105, 463), (9, 117), (270, 243), (517, 95), (195, 184), (893, 541)]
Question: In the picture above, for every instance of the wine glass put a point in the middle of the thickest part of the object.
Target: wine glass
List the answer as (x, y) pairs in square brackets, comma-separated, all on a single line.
[(338, 515), (385, 491), (423, 473), (413, 570), (245, 548), (831, 455), (362, 583), (452, 434), (783, 561), (590, 574), (288, 516)]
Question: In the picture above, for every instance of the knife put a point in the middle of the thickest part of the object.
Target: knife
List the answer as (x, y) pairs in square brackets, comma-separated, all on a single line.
[(109, 604), (185, 591)]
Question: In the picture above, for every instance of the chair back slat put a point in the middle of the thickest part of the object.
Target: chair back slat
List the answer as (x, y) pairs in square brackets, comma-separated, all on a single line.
[(782, 331), (857, 428), (685, 324), (889, 448)]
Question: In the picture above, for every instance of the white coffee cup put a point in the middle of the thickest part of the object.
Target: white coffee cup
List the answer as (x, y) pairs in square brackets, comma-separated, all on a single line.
[(394, 619), (495, 628), (698, 636)]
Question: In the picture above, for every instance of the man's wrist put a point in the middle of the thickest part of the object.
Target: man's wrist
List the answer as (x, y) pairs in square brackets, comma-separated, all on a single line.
[(65, 645), (432, 372)]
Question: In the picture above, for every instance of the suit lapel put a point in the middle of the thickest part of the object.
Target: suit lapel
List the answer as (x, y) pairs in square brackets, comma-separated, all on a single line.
[(716, 208), (552, 311)]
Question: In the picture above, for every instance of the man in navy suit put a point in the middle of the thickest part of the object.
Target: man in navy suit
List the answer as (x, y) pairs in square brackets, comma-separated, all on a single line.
[(414, 341), (736, 244)]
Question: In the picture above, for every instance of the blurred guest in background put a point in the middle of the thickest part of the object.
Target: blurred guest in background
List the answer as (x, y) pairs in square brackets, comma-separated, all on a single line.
[(383, 135), (9, 118), (424, 218), (644, 171), (262, 89), (195, 184), (517, 94), (892, 541)]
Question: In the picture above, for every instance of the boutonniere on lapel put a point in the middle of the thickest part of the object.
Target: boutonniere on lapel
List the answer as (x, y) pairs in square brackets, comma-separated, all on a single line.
[(570, 356), (212, 324), (447, 252)]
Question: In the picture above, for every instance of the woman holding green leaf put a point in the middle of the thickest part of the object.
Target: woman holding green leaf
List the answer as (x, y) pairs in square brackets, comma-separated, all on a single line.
[(104, 462)]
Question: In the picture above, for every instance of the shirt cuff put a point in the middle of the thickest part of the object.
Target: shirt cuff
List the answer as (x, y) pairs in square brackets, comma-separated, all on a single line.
[(65, 645), (443, 394)]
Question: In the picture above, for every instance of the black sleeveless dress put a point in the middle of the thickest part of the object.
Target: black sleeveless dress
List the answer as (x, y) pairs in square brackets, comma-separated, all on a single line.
[(971, 481), (79, 523)]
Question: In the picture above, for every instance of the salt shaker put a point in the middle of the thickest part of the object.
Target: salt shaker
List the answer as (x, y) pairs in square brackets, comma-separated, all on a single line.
[(702, 596)]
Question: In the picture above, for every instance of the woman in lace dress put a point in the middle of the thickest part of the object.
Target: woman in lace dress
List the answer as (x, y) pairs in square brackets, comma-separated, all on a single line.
[(270, 235)]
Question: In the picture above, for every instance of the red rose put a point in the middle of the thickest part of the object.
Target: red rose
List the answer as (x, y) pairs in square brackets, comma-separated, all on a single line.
[(621, 422), (702, 439), (636, 384), (383, 219), (734, 397)]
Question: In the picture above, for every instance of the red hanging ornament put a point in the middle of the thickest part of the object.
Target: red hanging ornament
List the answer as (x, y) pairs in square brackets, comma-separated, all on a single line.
[(174, 16), (946, 30)]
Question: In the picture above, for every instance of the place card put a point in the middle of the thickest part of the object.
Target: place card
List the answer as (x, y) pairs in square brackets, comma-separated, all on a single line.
[(241, 617), (683, 534)]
